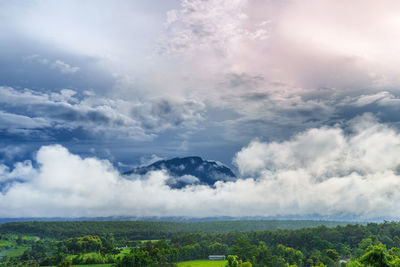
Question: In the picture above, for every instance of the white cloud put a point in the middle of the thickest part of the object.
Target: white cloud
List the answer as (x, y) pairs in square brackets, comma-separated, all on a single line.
[(63, 67), (369, 99), (58, 65), (65, 95), (15, 122), (189, 179), (321, 171), (22, 171), (383, 98), (149, 159), (326, 152)]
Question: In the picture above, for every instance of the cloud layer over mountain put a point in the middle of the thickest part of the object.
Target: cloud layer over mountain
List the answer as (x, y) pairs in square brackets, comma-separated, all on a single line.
[(323, 171)]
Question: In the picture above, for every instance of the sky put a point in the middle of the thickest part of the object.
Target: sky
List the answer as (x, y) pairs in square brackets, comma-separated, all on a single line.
[(300, 98)]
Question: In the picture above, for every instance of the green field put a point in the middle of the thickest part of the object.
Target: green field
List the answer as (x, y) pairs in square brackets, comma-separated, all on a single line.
[(202, 263)]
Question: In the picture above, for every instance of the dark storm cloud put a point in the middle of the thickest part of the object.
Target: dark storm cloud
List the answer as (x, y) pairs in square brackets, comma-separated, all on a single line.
[(163, 113), (32, 110)]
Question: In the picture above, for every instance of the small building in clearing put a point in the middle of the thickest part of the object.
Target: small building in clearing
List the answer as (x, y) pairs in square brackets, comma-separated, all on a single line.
[(216, 257)]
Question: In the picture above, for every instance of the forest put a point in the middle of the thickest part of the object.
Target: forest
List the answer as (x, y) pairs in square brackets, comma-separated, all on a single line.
[(137, 230), (73, 243)]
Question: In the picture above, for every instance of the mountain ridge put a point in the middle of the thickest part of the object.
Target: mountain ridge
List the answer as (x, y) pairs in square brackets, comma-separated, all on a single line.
[(188, 171)]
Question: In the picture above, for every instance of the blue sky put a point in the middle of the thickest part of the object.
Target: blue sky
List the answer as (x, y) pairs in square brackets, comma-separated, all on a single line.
[(127, 82)]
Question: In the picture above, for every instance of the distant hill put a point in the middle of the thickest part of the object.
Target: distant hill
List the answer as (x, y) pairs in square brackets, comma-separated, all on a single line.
[(150, 230), (188, 171)]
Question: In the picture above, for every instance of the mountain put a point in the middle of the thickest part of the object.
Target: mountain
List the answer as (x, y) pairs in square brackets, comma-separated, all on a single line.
[(188, 171)]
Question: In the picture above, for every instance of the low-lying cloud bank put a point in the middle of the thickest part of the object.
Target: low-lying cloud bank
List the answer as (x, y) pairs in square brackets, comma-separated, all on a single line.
[(326, 171)]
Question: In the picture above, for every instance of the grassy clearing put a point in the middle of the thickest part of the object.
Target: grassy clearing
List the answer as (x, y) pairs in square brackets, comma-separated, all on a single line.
[(13, 252), (86, 255), (125, 251), (149, 240), (24, 237), (4, 244), (29, 238), (201, 263)]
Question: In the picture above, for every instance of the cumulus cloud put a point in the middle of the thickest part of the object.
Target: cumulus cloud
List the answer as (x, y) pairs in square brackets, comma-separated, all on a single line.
[(22, 171), (323, 171), (327, 171)]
